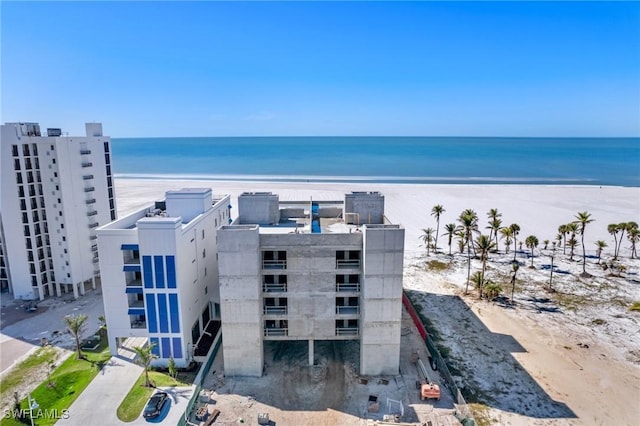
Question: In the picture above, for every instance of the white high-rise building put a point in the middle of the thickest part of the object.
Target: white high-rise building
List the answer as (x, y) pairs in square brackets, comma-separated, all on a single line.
[(160, 275), (55, 191)]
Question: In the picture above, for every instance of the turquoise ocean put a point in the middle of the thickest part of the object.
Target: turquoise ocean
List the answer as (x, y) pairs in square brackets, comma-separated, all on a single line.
[(566, 161)]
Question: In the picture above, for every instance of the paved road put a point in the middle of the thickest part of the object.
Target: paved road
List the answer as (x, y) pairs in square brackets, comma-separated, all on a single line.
[(99, 402)]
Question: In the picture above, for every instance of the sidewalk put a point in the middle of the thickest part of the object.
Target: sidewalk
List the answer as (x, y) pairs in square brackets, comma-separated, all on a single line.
[(98, 404)]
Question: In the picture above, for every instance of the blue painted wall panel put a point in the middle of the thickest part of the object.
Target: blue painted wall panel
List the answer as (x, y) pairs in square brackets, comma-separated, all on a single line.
[(129, 247), (163, 318), (131, 268), (166, 347), (152, 322), (159, 269), (174, 313), (147, 272), (156, 346), (171, 272), (177, 347)]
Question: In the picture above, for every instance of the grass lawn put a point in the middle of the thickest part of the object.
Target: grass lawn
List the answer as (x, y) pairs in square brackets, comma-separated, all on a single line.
[(138, 396), (67, 383), (41, 357)]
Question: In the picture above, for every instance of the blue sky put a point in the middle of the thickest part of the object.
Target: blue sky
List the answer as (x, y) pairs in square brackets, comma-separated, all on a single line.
[(324, 68)]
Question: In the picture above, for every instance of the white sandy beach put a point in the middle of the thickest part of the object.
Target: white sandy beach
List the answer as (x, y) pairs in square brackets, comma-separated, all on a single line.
[(528, 363)]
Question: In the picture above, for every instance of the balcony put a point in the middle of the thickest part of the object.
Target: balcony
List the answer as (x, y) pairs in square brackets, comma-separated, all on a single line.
[(274, 264), (138, 324), (347, 310), (275, 310), (87, 177), (92, 213), (85, 152), (87, 164), (347, 287), (134, 283), (93, 237), (346, 331), (136, 304), (274, 288), (90, 189), (347, 263), (276, 332), (94, 225), (90, 201)]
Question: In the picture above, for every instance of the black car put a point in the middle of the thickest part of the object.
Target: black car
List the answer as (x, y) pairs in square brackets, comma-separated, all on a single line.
[(155, 405)]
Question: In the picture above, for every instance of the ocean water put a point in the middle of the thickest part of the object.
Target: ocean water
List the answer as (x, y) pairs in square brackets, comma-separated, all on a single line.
[(569, 161)]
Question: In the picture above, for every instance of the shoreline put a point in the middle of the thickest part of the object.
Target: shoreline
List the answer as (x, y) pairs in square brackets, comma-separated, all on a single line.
[(400, 180)]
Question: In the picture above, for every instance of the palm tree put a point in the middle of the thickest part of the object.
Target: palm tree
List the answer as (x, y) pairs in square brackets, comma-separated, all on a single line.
[(552, 255), (144, 357), (562, 231), (494, 224), (583, 218), (531, 242), (469, 221), (494, 227), (601, 245), (633, 234), (515, 228), (477, 281), (514, 270), (484, 245), (427, 237), (507, 234), (622, 227), (572, 229), (493, 289), (613, 229), (436, 212), (103, 326), (76, 324), (451, 229), (546, 244)]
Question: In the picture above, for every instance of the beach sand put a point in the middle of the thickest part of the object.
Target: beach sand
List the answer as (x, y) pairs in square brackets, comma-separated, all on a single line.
[(527, 363)]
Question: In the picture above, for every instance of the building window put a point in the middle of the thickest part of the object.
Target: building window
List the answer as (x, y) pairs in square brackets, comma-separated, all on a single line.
[(14, 150), (19, 178), (53, 160), (347, 259), (25, 149), (274, 259), (106, 147), (204, 253), (274, 283), (16, 164)]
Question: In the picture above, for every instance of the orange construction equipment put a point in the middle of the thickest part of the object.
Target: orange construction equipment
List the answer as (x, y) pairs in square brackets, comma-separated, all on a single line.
[(428, 389)]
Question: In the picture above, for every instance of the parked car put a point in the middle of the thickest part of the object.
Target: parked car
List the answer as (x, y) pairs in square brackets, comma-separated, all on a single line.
[(155, 405)]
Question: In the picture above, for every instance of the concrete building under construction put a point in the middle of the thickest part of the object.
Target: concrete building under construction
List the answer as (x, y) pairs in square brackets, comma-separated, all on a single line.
[(311, 270)]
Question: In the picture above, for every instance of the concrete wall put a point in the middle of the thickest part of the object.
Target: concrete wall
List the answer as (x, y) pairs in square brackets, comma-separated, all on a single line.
[(311, 272), (381, 299), (368, 206), (239, 264), (258, 207)]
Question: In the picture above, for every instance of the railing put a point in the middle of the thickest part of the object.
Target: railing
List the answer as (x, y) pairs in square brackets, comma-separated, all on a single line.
[(132, 261), (274, 264), (136, 304), (90, 189), (87, 164), (275, 310), (347, 263), (85, 151), (87, 177), (90, 201), (94, 225), (348, 287), (93, 237), (274, 288), (134, 283), (138, 324), (347, 310), (92, 213), (94, 248), (346, 331), (276, 331)]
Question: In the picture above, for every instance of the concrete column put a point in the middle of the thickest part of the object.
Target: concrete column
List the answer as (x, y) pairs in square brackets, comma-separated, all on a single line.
[(75, 290), (93, 282), (82, 288), (310, 352)]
